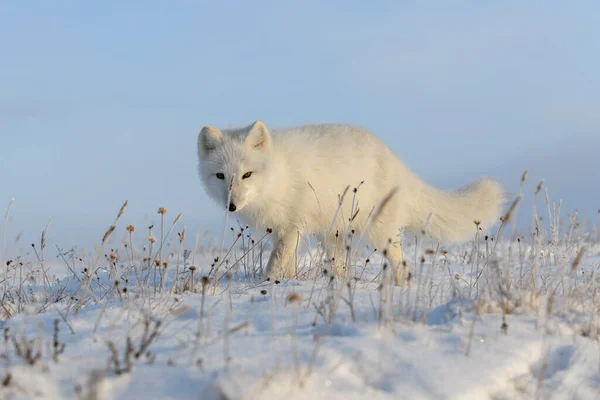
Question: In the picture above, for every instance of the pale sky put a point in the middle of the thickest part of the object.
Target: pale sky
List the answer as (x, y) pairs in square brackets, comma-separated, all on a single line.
[(102, 102)]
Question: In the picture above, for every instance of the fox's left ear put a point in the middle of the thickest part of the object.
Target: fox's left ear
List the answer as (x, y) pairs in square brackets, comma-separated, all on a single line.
[(259, 137)]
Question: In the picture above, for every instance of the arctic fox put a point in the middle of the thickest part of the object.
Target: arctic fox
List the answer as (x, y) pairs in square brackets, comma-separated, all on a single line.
[(292, 180)]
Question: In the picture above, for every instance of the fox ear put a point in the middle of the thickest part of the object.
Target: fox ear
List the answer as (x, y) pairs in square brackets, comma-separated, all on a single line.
[(259, 137), (208, 140)]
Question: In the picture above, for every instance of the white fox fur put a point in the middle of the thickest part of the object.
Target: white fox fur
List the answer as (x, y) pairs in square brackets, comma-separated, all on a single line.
[(298, 175)]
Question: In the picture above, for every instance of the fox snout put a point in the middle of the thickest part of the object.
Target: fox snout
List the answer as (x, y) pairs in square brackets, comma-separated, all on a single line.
[(237, 199)]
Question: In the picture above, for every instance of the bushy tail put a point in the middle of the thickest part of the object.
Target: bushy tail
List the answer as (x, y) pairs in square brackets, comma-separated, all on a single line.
[(453, 214)]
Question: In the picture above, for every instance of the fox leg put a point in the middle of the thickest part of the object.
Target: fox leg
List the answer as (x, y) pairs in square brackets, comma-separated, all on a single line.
[(399, 266), (336, 256), (282, 262), (381, 235)]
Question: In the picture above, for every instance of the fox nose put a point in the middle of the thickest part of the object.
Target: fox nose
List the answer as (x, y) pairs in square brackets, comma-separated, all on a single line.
[(232, 207)]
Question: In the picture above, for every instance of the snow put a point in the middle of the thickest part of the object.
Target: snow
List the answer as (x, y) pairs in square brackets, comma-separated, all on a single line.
[(448, 335)]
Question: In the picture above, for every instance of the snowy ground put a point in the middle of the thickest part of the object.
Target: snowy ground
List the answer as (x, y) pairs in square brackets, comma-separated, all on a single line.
[(514, 322)]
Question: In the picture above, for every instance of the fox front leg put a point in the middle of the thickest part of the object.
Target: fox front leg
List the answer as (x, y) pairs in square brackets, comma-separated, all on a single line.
[(282, 261)]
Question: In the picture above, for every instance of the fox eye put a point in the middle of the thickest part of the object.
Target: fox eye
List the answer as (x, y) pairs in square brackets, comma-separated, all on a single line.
[(247, 175), (220, 175)]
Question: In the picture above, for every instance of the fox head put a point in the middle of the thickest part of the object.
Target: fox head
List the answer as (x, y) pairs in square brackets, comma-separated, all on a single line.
[(234, 164)]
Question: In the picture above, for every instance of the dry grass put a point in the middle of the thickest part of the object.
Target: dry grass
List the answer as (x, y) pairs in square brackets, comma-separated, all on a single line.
[(505, 274)]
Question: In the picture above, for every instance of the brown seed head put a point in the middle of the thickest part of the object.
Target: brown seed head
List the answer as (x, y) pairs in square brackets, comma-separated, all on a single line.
[(162, 210), (511, 210), (130, 228), (577, 261), (122, 210), (539, 187), (108, 233), (294, 298)]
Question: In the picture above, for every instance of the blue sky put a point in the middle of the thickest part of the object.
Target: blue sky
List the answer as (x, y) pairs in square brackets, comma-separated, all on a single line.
[(102, 102)]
